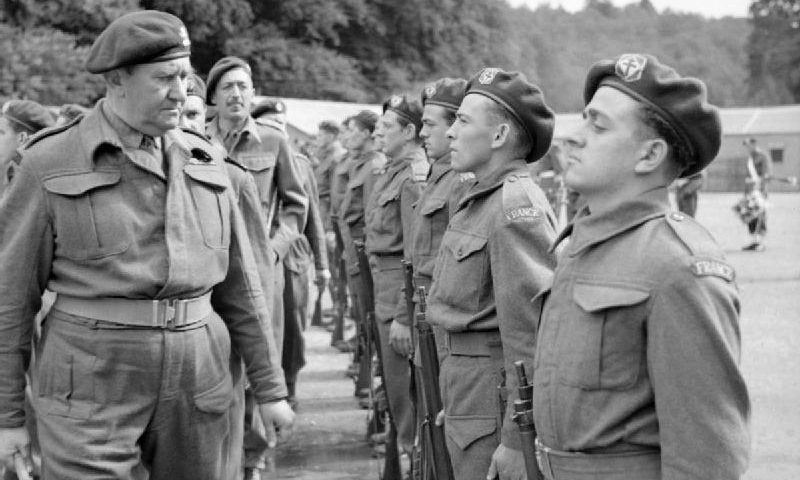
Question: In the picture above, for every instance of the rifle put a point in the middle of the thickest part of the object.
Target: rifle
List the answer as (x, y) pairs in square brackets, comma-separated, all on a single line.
[(340, 283), (523, 417), (429, 358), (391, 465)]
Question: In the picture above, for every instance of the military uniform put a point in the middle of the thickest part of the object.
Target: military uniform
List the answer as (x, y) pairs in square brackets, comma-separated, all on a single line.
[(124, 243)]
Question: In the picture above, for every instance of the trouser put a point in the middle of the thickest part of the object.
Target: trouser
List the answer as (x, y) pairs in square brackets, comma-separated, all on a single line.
[(558, 465), (469, 378), (295, 311), (133, 403), (758, 225)]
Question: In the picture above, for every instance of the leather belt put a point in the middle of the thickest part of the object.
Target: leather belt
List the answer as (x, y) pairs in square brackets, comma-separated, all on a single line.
[(560, 465), (483, 343), (167, 313)]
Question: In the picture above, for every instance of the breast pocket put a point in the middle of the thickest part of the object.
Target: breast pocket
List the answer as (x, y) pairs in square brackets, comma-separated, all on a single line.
[(388, 212), (208, 188), (605, 336), (436, 218), (88, 214), (463, 276)]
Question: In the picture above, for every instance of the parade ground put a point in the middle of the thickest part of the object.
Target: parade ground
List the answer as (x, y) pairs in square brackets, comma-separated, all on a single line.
[(329, 437)]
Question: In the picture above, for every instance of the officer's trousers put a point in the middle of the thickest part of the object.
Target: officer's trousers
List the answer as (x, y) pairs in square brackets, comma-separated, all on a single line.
[(133, 403)]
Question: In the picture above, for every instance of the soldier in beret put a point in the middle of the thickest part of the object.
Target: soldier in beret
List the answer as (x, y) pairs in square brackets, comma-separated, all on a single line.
[(19, 120), (637, 362), (492, 260), (133, 223)]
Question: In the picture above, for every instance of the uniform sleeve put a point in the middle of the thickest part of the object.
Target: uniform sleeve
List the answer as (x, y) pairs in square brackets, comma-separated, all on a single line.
[(521, 268), (702, 404), (240, 302), (26, 249), (315, 228), (293, 200), (409, 195)]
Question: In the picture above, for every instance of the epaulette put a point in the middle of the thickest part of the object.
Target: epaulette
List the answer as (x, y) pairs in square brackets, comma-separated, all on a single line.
[(235, 163), (196, 134), (271, 124), (521, 202), (49, 132), (707, 257)]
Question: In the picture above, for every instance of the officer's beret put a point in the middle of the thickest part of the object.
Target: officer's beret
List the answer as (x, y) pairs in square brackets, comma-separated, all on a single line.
[(268, 106), (682, 102), (140, 37), (27, 115), (445, 92), (410, 110), (523, 100), (223, 66), (196, 86)]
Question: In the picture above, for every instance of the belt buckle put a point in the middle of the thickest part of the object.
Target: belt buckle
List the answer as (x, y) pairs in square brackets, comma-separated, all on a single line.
[(167, 313)]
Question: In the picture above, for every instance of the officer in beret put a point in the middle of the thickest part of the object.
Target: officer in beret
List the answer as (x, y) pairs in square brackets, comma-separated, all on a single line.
[(133, 223), (637, 364), (389, 213), (492, 260), (271, 111), (19, 119)]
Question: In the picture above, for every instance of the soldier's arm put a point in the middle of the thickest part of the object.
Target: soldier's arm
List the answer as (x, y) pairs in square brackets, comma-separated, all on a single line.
[(409, 195), (292, 198), (315, 228), (521, 268), (26, 249), (693, 350), (240, 302)]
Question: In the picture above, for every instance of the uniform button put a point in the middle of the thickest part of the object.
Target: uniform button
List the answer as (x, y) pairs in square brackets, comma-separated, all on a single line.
[(460, 251), (677, 216), (512, 178)]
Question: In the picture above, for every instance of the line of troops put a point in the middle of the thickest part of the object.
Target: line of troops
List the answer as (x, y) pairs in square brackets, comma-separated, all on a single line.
[(170, 251)]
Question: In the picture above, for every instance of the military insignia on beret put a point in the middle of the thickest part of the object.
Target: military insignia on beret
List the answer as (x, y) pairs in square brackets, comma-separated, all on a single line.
[(395, 101), (487, 75), (184, 37), (630, 66), (704, 268), (430, 91)]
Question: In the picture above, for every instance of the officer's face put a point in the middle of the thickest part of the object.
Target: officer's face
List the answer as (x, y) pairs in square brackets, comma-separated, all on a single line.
[(434, 131), (193, 114), (391, 134), (234, 95), (356, 136), (602, 152), (152, 95), (8, 141), (471, 135)]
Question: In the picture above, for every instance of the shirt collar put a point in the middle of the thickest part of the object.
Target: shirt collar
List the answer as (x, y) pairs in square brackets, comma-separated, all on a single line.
[(250, 127), (494, 180)]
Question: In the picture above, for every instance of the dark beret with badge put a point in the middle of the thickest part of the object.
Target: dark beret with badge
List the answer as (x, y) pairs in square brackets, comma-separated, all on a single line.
[(445, 92), (27, 116), (407, 109), (223, 66), (196, 86), (147, 36), (523, 100), (682, 102), (270, 106)]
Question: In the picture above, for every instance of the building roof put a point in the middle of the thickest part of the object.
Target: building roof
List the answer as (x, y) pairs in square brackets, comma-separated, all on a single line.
[(305, 115)]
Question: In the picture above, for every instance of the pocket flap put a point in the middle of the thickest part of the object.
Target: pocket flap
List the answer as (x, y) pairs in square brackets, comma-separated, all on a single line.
[(208, 175), (464, 430), (594, 297), (432, 205), (79, 183), (258, 161), (465, 245), (217, 399)]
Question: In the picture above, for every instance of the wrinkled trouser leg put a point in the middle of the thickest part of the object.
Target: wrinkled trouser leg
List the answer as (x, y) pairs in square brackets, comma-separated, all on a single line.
[(472, 413), (295, 313), (132, 403)]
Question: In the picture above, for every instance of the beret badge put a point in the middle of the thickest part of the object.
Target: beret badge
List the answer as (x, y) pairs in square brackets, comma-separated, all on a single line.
[(395, 101), (184, 37), (430, 91), (630, 66), (487, 75)]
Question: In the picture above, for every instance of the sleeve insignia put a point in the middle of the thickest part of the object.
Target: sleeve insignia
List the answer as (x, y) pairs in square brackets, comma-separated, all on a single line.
[(704, 268), (523, 214)]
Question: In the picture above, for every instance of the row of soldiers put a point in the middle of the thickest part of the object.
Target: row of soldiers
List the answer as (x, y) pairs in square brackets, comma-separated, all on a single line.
[(167, 247)]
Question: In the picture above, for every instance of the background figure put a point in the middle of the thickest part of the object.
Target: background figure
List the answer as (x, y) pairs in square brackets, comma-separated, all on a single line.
[(19, 120), (687, 193), (759, 173), (752, 209)]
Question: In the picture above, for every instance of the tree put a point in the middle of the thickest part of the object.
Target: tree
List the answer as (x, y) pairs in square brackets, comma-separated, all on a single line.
[(774, 51)]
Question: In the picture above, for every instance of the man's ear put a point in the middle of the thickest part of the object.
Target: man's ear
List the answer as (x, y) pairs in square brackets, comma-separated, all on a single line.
[(501, 136), (410, 132), (652, 155), (21, 138)]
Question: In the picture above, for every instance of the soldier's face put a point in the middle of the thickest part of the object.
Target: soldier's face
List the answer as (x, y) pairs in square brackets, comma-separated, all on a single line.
[(392, 136), (8, 141), (356, 136), (152, 95), (234, 95), (435, 124), (193, 114), (602, 152), (471, 135)]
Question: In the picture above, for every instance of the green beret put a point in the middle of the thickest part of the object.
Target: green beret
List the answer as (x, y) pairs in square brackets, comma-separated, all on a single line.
[(223, 65), (682, 102), (410, 110), (27, 115), (523, 100), (147, 36), (196, 86), (445, 92)]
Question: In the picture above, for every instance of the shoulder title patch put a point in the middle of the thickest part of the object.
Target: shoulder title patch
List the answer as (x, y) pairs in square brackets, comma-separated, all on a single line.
[(523, 214), (704, 268)]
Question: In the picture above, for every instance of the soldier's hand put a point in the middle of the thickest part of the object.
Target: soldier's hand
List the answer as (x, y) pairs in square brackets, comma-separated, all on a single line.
[(278, 418), (15, 441), (439, 418), (507, 464), (400, 339)]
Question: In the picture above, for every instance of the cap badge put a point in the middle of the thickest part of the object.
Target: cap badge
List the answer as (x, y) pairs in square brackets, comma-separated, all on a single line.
[(395, 101), (430, 91), (184, 37), (487, 75), (630, 67)]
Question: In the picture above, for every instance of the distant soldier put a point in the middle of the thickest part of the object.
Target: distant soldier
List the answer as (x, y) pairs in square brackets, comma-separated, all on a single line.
[(759, 172), (637, 358), (687, 193), (19, 120), (493, 260), (133, 224)]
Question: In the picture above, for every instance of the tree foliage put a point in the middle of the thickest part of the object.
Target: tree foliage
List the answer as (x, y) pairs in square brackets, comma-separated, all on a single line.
[(773, 51)]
